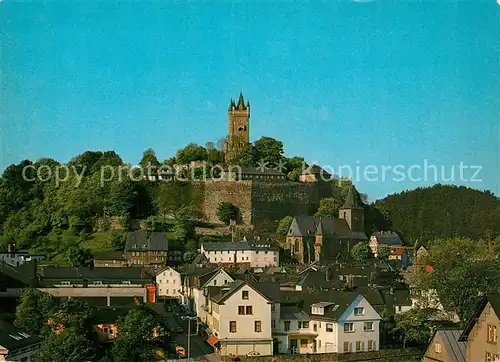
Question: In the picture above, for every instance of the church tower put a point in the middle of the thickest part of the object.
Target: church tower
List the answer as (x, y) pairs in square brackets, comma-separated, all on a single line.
[(238, 128), (353, 211)]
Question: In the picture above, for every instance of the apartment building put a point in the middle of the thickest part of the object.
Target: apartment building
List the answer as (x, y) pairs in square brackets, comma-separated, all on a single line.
[(168, 284), (481, 331), (328, 322), (239, 316), (241, 254)]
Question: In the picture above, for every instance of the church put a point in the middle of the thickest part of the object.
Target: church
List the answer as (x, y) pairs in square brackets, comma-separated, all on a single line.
[(313, 239)]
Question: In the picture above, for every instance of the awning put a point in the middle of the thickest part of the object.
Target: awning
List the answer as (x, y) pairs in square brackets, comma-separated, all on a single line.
[(212, 340)]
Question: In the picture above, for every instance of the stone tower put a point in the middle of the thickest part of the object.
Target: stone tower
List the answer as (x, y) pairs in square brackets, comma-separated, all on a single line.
[(238, 128), (353, 211)]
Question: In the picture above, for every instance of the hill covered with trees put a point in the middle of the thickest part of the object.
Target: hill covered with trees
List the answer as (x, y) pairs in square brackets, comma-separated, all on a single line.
[(441, 211)]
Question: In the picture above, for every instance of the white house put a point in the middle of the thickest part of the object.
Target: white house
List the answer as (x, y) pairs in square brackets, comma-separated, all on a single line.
[(387, 238), (168, 283), (194, 285), (241, 254), (337, 322), (239, 316)]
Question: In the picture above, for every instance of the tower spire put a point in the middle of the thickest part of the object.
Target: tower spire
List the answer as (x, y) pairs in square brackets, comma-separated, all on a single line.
[(241, 102), (352, 200)]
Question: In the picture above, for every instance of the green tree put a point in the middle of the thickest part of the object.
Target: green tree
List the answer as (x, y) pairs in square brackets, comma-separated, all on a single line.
[(247, 157), (33, 309), (149, 158), (117, 240), (67, 345), (141, 332), (462, 272), (361, 252), (414, 326), (189, 256), (79, 257), (192, 152), (226, 212), (284, 225), (383, 252), (328, 207), (268, 149), (192, 245)]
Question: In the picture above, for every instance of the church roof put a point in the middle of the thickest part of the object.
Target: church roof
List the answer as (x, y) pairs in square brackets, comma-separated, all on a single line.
[(353, 200), (327, 226)]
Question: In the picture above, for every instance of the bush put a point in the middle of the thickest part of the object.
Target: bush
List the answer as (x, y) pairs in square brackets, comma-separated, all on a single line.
[(226, 212)]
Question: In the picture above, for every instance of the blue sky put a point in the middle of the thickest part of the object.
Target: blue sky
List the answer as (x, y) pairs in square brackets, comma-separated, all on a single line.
[(340, 83)]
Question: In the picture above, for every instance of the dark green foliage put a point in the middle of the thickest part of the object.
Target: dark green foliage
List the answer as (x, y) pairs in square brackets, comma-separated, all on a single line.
[(383, 252), (284, 225), (136, 340), (79, 257), (192, 152), (268, 149), (414, 327), (361, 252), (463, 271), (442, 211), (117, 240), (226, 212), (149, 159), (329, 207)]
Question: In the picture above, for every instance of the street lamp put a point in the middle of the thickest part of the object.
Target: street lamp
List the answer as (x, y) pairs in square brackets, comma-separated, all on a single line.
[(189, 319)]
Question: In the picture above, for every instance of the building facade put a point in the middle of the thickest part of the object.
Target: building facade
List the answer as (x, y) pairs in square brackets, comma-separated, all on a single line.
[(168, 284), (146, 248), (241, 254)]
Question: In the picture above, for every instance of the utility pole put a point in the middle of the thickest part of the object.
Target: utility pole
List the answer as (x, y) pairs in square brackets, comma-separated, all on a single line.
[(189, 319)]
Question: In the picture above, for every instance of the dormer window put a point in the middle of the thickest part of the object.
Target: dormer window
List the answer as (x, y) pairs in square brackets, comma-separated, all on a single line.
[(359, 311), (98, 282), (127, 282), (65, 283)]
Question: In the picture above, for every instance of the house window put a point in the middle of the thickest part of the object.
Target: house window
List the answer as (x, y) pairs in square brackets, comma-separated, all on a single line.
[(232, 326), (348, 327), (244, 294), (315, 327), (273, 323), (360, 346), (111, 331), (496, 358), (368, 326), (225, 281), (303, 343), (488, 357), (399, 308), (286, 325), (329, 327), (105, 330), (249, 310), (241, 310), (492, 334), (371, 345), (215, 282), (347, 347), (359, 311), (303, 324), (437, 347), (258, 326)]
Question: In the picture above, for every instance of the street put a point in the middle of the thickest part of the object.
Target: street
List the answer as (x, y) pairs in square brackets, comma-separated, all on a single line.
[(199, 349)]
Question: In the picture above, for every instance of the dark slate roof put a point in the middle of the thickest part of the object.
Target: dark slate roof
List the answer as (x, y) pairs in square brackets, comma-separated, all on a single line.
[(335, 303), (353, 199), (388, 238), (270, 289), (292, 312), (94, 274), (230, 246), (316, 170), (141, 240), (326, 226), (109, 255), (14, 338), (450, 337), (303, 226), (494, 300), (224, 292), (260, 171)]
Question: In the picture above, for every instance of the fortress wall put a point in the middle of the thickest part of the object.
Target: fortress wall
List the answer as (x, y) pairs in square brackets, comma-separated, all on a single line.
[(238, 193), (272, 201)]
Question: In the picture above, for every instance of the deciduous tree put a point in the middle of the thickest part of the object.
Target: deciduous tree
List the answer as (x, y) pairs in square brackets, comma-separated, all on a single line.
[(361, 252)]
